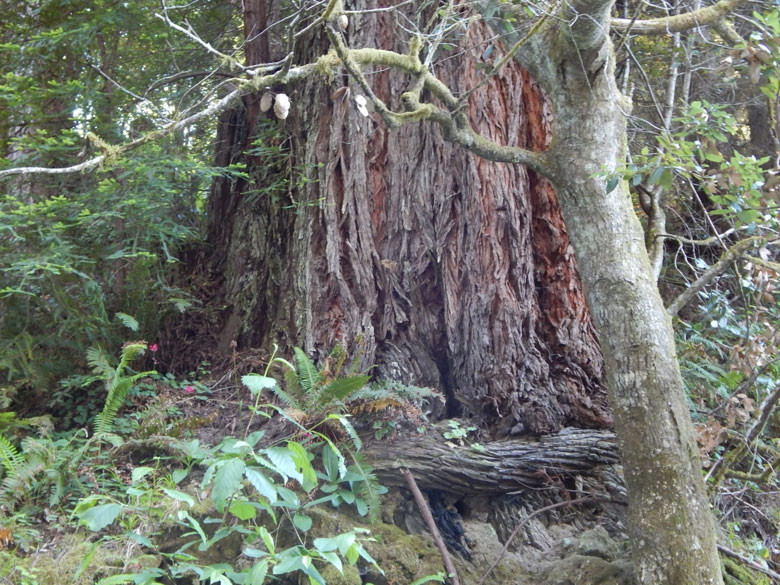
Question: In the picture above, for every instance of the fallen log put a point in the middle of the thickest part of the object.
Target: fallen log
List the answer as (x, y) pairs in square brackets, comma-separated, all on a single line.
[(499, 467)]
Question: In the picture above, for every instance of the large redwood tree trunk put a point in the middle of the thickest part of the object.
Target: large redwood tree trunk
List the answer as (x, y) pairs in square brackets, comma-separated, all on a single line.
[(444, 269)]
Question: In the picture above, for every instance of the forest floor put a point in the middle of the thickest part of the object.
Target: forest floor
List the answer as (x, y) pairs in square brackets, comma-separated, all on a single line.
[(169, 433)]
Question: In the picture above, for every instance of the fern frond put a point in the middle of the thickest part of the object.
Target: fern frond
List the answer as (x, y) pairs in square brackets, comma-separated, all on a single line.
[(10, 457), (356, 441), (130, 351), (308, 375), (338, 390), (368, 487), (98, 361), (335, 361), (288, 398), (115, 399)]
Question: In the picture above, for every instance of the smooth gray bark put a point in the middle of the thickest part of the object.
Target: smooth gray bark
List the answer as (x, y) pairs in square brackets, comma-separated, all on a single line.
[(671, 525)]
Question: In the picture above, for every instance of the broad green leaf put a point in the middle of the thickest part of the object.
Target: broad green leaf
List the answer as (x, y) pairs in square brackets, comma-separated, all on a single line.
[(242, 509), (180, 496), (612, 183), (98, 517), (139, 473), (227, 481), (257, 383), (303, 465), (288, 565), (333, 559), (302, 522), (178, 475), (311, 571), (290, 498), (345, 541), (261, 483), (268, 540), (283, 462), (655, 176), (352, 555), (666, 179), (326, 544), (331, 461), (257, 573)]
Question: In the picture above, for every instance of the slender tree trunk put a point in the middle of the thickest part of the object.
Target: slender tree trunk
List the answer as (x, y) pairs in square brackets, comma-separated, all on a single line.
[(670, 523), (444, 269)]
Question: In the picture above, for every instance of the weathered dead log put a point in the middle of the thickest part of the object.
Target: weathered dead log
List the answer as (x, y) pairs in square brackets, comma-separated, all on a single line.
[(503, 467)]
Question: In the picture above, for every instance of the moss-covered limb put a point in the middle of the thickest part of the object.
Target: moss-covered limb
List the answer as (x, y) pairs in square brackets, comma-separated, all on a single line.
[(773, 266), (454, 124), (706, 16), (389, 117), (727, 259), (245, 87), (735, 573), (727, 32)]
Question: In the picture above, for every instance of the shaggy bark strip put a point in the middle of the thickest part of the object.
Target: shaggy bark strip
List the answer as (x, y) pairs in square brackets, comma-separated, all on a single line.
[(441, 268)]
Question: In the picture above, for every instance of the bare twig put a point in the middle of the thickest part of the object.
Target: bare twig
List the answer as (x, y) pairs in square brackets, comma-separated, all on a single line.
[(727, 259), (425, 511), (189, 32), (506, 58)]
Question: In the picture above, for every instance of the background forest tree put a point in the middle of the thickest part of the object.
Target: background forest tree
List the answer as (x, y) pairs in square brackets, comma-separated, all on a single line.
[(438, 267)]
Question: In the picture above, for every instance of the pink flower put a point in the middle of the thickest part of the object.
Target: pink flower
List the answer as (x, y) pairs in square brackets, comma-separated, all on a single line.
[(189, 389), (154, 347)]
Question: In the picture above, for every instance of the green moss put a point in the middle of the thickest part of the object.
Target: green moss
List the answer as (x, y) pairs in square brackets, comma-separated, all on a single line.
[(350, 576), (62, 563), (736, 574)]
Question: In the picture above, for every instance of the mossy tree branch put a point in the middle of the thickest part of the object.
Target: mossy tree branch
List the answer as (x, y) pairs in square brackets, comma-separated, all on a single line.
[(707, 16)]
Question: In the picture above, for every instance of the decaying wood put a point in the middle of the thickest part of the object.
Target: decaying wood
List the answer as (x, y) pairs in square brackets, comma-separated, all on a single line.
[(503, 467)]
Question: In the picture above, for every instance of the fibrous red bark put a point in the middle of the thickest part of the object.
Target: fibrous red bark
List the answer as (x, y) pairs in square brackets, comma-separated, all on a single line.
[(444, 269)]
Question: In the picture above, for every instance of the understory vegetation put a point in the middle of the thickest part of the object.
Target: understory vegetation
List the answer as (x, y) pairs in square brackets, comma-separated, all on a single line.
[(115, 445)]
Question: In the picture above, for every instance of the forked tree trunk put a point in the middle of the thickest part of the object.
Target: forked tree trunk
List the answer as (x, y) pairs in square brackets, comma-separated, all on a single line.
[(444, 269)]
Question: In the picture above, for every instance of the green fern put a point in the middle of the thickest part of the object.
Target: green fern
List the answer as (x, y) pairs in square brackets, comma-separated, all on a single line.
[(314, 391), (10, 457), (366, 485), (43, 471), (308, 375), (117, 383), (339, 389)]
